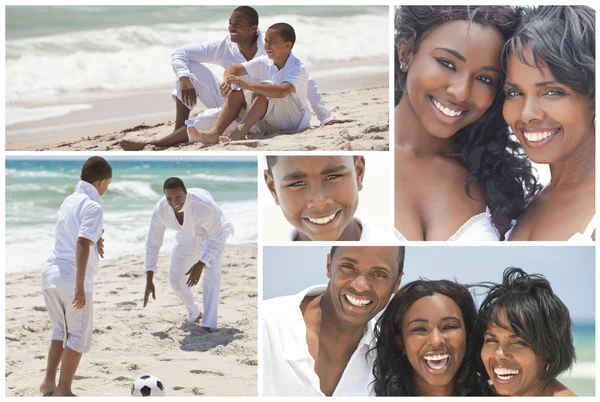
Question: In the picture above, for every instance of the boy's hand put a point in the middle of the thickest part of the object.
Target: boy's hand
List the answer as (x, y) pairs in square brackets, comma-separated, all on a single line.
[(79, 299), (149, 289), (237, 81), (188, 93), (194, 273), (100, 245), (225, 89)]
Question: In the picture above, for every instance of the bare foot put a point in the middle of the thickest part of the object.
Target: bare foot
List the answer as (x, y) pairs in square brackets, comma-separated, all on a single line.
[(199, 317), (237, 135), (61, 393), (207, 329), (224, 139), (47, 388), (129, 145), (205, 138)]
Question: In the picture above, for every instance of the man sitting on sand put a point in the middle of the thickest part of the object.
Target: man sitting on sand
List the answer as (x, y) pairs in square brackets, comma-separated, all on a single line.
[(202, 231), (279, 98), (195, 81), (68, 275), (320, 341)]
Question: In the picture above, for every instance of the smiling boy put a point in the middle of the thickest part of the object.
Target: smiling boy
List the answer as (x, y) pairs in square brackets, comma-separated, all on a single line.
[(279, 97), (318, 196)]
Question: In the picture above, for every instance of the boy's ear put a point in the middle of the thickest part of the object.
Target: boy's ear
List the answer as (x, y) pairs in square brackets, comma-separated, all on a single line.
[(271, 186), (328, 266), (359, 166), (404, 54)]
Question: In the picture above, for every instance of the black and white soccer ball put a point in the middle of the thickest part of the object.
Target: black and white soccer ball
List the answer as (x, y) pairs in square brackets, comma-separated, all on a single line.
[(147, 385)]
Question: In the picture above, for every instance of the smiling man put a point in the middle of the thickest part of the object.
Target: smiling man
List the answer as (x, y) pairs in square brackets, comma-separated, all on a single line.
[(202, 231), (318, 342)]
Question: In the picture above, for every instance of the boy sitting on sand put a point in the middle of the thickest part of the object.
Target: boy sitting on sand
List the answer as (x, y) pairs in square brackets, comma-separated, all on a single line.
[(279, 100), (318, 195), (67, 277)]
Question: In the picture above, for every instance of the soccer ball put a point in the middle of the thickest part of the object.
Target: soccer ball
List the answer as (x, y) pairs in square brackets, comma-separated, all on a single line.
[(147, 385)]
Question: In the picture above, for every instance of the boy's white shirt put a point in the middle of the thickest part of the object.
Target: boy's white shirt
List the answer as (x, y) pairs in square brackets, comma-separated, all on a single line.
[(262, 68), (80, 215), (370, 233), (226, 53), (202, 219)]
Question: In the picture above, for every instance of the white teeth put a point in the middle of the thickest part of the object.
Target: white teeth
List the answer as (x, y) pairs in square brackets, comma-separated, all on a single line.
[(322, 221), (535, 137), (357, 302), (445, 110), (436, 357), (504, 373)]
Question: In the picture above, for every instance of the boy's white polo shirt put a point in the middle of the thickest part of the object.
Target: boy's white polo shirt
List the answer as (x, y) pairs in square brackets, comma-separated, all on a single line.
[(370, 233), (80, 215), (262, 68), (288, 367)]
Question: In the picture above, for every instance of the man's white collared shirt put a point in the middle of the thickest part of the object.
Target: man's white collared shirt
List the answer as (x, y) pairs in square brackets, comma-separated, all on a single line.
[(80, 215), (202, 219), (288, 367)]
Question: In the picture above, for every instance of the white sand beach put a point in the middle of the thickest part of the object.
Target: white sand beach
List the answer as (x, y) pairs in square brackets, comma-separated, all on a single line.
[(130, 341)]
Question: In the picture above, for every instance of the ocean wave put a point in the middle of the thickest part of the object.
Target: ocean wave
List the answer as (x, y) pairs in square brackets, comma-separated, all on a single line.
[(39, 174), (132, 189), (217, 178), (118, 60)]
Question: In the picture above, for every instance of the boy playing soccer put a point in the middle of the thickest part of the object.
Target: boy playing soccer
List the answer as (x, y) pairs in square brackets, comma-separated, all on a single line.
[(318, 195), (67, 277), (279, 99)]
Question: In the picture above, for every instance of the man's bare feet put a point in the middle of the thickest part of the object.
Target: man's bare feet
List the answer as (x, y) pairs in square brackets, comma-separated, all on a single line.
[(205, 138), (207, 329), (47, 388), (129, 145)]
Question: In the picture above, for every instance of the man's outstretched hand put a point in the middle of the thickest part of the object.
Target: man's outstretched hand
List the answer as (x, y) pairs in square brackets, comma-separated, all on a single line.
[(194, 273)]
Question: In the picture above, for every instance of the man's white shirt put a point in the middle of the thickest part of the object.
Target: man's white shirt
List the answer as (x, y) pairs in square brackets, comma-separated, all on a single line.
[(80, 215), (202, 219), (226, 53), (288, 367)]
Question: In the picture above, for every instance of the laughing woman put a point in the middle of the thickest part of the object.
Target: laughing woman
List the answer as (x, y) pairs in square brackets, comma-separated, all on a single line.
[(425, 344), (458, 174), (550, 102), (524, 330)]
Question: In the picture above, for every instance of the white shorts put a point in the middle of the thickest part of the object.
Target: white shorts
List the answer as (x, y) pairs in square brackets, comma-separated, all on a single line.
[(284, 113), (72, 327)]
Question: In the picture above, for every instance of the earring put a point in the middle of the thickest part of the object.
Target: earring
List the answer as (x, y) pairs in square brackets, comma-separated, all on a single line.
[(547, 366)]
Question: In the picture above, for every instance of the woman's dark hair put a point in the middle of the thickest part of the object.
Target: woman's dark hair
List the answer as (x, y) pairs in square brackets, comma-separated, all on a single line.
[(535, 314), (393, 372), (564, 38), (494, 159)]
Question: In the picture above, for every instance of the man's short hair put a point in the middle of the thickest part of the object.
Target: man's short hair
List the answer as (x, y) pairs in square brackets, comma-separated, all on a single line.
[(399, 258), (250, 14), (286, 31), (94, 169), (174, 182)]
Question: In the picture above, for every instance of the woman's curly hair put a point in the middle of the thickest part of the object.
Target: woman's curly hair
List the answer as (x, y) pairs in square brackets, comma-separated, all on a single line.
[(393, 372), (485, 147)]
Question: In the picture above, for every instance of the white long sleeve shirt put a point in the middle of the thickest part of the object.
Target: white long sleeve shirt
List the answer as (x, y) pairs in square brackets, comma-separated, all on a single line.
[(202, 219), (80, 215), (226, 53)]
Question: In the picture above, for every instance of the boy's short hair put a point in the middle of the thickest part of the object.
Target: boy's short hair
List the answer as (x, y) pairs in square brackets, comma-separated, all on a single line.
[(94, 169), (174, 182), (272, 161), (286, 31), (249, 13), (399, 258)]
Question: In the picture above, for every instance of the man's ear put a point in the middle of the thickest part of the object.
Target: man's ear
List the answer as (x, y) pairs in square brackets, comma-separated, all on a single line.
[(328, 266), (359, 166), (404, 54), (254, 29), (271, 186), (398, 282)]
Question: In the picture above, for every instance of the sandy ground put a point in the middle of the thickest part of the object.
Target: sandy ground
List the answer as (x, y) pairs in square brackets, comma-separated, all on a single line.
[(369, 132), (129, 342)]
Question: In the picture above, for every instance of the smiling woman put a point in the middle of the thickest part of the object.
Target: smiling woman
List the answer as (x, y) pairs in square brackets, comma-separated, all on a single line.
[(451, 138), (550, 102)]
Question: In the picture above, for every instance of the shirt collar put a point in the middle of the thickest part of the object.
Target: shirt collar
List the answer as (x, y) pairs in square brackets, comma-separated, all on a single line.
[(187, 203), (89, 190), (295, 347)]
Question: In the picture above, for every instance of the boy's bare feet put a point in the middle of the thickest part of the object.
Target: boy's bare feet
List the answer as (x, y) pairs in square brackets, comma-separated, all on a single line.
[(206, 138), (129, 145), (224, 139), (47, 388)]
